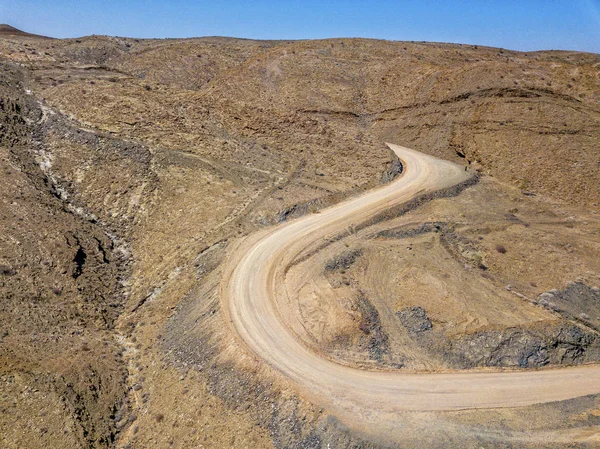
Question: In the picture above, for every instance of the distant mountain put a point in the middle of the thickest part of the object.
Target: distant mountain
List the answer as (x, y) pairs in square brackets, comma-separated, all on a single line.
[(7, 31)]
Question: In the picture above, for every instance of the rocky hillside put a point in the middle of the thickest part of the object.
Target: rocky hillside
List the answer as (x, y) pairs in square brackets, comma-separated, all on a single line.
[(61, 373), (130, 166)]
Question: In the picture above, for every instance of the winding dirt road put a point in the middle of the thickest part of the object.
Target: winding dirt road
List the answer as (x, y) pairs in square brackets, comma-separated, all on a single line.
[(253, 287)]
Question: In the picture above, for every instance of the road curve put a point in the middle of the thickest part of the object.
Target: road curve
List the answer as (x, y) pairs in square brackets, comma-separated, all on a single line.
[(252, 288)]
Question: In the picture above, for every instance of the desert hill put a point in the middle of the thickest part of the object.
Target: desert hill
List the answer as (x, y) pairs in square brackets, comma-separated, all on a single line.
[(10, 31), (132, 167)]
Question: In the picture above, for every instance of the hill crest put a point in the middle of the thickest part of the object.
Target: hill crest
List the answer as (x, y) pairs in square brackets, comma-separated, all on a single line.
[(9, 30)]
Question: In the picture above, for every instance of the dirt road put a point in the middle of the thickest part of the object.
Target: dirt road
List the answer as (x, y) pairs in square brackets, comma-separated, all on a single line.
[(253, 287)]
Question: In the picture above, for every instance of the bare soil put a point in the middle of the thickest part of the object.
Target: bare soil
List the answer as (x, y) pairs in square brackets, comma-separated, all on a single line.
[(131, 168)]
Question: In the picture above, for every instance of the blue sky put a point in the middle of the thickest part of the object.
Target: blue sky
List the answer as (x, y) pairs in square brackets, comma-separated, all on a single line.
[(519, 25)]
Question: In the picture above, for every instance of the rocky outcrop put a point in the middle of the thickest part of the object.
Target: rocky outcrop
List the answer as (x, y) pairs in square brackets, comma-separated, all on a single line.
[(415, 320), (343, 261), (578, 302), (520, 347), (525, 348), (376, 339)]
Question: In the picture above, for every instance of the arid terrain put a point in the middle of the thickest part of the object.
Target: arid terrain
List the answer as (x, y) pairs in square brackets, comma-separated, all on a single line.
[(136, 172)]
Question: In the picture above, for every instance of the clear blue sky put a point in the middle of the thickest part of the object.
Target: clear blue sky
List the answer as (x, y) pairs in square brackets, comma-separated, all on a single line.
[(519, 25)]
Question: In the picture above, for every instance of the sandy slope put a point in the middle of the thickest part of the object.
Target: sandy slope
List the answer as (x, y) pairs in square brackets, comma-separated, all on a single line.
[(251, 293)]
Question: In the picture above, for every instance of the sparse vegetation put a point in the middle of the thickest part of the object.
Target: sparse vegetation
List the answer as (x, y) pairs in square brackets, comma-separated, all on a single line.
[(152, 156)]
